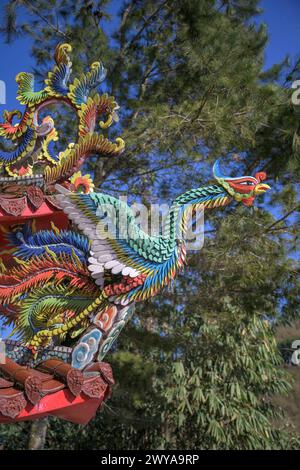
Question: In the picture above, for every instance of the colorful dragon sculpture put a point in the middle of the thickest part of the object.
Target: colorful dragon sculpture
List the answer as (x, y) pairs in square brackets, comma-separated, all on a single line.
[(77, 286)]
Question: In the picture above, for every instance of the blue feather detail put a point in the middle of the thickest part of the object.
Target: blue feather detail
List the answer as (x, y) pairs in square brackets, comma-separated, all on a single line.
[(60, 79), (87, 83), (51, 151), (12, 156), (161, 271), (68, 242)]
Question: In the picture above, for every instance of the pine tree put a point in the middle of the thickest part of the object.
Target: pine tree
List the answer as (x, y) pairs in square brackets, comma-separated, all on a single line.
[(198, 367)]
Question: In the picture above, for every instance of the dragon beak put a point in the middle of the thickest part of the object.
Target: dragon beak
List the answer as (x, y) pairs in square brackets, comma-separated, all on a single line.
[(261, 188)]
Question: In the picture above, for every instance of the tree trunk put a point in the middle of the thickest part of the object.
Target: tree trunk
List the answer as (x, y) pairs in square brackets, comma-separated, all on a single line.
[(38, 433)]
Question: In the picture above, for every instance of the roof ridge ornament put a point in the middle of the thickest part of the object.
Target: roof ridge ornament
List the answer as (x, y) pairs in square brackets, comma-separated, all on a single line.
[(27, 142)]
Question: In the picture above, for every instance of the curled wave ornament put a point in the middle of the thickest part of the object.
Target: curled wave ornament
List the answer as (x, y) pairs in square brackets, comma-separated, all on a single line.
[(123, 316), (86, 349)]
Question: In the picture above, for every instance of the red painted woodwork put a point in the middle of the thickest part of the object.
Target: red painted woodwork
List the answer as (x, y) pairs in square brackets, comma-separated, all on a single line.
[(62, 404), (57, 396)]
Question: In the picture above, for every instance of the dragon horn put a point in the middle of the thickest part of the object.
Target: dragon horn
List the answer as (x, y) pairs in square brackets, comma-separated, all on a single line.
[(217, 170), (221, 178)]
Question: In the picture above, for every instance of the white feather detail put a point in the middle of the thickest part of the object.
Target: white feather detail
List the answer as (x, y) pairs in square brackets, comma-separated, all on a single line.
[(105, 257), (100, 242), (84, 227), (104, 252), (95, 268), (75, 215), (103, 249), (60, 189), (59, 198), (97, 275), (111, 264), (69, 211), (128, 271), (134, 273), (78, 220), (100, 248), (117, 269), (67, 203), (90, 231)]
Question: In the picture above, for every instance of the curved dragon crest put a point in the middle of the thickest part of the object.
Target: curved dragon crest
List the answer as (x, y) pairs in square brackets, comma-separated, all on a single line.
[(26, 143)]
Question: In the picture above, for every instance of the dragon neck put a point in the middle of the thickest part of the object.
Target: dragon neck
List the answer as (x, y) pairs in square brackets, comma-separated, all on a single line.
[(208, 197)]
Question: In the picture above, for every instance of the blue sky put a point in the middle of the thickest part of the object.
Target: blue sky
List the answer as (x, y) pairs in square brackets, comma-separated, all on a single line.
[(281, 16), (283, 22)]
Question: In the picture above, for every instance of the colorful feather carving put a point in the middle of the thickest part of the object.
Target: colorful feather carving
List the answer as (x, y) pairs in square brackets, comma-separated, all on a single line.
[(26, 244), (64, 278), (48, 308), (67, 271), (32, 141), (60, 282)]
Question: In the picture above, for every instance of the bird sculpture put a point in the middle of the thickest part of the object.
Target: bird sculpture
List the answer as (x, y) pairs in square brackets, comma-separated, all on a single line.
[(69, 278), (75, 288)]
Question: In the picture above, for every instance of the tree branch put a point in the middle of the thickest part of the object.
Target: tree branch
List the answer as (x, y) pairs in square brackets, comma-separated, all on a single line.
[(35, 10), (282, 218), (146, 23)]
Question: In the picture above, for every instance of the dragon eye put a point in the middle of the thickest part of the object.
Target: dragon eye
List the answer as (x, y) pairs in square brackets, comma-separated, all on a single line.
[(247, 183)]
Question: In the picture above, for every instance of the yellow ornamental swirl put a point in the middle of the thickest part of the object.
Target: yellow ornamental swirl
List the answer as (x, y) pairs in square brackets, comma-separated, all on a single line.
[(32, 138), (87, 145)]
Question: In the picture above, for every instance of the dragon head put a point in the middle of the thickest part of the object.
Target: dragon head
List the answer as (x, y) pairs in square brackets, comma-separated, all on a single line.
[(243, 189)]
